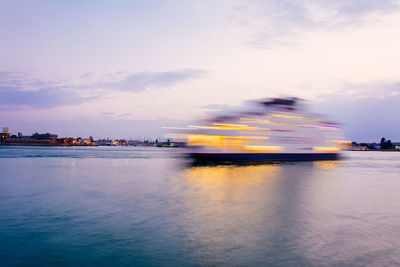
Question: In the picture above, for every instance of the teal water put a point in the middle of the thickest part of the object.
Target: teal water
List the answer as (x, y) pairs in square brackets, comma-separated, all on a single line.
[(127, 206)]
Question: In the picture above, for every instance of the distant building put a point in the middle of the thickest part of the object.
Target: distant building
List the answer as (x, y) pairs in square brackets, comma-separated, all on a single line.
[(44, 137), (396, 145), (5, 134)]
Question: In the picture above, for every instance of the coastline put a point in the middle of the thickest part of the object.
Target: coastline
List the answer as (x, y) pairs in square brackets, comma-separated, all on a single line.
[(35, 144)]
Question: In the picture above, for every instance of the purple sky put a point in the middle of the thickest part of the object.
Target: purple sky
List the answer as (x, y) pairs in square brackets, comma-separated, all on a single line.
[(123, 69)]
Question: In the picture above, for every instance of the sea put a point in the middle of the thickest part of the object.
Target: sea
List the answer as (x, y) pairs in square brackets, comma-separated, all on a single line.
[(131, 206)]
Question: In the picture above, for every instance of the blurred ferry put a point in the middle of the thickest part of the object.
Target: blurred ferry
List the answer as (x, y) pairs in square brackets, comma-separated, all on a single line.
[(269, 130)]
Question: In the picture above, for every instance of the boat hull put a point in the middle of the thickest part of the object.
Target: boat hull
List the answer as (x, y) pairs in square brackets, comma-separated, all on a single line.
[(257, 157)]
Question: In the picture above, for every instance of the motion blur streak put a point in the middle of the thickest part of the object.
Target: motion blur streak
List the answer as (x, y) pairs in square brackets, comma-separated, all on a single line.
[(218, 137)]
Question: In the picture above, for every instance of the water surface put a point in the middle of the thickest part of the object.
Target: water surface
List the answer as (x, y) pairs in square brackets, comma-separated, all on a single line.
[(146, 206)]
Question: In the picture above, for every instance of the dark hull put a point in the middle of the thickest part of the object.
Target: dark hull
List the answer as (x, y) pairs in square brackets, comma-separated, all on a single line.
[(253, 157)]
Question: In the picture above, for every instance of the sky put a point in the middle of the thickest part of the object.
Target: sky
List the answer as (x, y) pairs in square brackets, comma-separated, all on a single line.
[(124, 69)]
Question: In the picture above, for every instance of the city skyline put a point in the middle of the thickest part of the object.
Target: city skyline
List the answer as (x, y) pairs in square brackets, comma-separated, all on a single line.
[(126, 68)]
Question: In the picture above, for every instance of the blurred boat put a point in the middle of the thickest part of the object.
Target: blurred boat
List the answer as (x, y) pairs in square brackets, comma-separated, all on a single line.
[(268, 130)]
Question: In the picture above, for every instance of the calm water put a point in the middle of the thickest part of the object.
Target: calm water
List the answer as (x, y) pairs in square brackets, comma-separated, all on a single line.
[(125, 206)]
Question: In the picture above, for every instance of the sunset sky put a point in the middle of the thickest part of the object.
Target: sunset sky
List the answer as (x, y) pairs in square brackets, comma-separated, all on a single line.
[(123, 69)]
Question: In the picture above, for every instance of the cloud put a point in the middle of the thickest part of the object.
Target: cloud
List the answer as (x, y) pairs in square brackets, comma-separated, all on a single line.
[(115, 115), (362, 91), (18, 89), (47, 97), (143, 80), (367, 111), (107, 113), (215, 106), (282, 21), (20, 80)]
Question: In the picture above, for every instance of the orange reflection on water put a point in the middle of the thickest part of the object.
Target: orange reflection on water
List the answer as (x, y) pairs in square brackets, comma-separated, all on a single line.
[(326, 165), (217, 176), (234, 206), (225, 204), (219, 185)]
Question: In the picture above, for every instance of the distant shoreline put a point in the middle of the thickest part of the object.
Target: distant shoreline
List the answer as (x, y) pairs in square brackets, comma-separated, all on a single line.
[(369, 150), (63, 145), (85, 145)]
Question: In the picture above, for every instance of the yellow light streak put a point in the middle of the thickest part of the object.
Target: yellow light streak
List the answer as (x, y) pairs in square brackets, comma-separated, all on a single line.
[(223, 141), (293, 117), (269, 122), (260, 149), (222, 126), (257, 121), (326, 149)]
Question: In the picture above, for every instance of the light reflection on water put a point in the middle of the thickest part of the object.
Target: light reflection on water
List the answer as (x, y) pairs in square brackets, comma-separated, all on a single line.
[(154, 210), (327, 164), (286, 214), (220, 206)]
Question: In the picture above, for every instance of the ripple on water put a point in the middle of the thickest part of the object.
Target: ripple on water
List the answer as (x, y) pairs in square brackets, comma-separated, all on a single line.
[(127, 206)]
